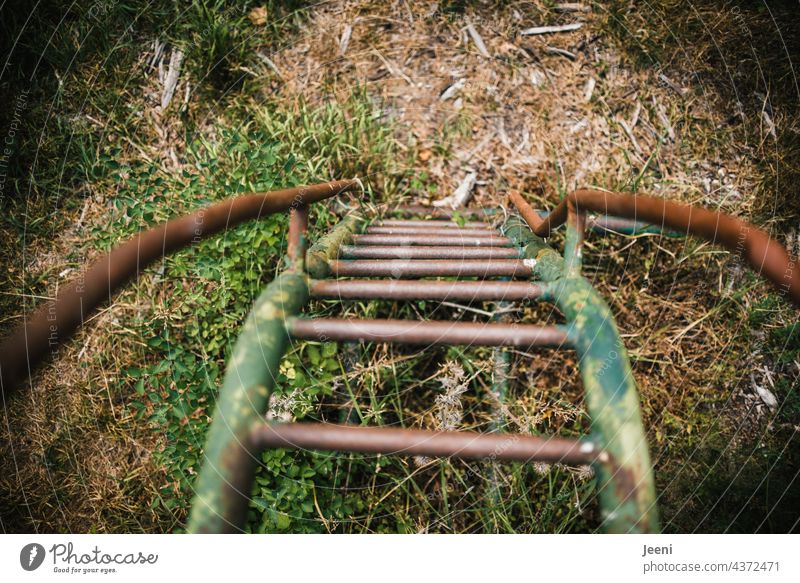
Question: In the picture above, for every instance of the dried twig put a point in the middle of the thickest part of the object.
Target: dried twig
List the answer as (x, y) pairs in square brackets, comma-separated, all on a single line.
[(578, 126), (631, 137), (551, 29), (770, 125), (345, 39), (636, 112), (680, 91), (171, 80), (476, 38), (268, 62), (572, 7), (158, 50), (767, 396), (187, 93), (452, 90), (462, 194), (561, 52), (393, 69), (663, 119)]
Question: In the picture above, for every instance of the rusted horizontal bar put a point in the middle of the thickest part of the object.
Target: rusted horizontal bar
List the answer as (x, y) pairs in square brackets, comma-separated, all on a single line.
[(55, 321), (467, 291), (447, 231), (437, 224), (413, 332), (599, 223), (404, 268), (470, 241), (765, 255), (420, 252), (436, 212), (396, 441)]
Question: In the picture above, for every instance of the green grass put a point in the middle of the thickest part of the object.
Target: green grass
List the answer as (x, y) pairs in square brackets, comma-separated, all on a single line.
[(74, 88), (207, 290), (174, 351)]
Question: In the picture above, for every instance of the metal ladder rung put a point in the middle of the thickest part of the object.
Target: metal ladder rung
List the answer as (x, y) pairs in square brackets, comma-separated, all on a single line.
[(446, 231), (344, 289), (454, 240), (414, 332), (409, 268), (441, 212), (426, 252), (432, 223), (395, 441)]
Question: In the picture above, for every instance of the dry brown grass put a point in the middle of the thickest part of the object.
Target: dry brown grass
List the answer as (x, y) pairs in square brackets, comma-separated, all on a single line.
[(74, 459)]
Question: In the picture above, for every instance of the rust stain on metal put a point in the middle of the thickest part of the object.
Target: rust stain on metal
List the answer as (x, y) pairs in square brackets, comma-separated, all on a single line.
[(526, 211), (454, 240), (413, 332), (426, 252), (298, 227), (764, 254), (447, 231), (426, 290), (432, 223), (401, 268), (395, 441), (439, 212)]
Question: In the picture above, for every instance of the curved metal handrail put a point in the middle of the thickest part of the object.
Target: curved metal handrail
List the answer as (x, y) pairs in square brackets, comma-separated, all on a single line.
[(56, 320), (764, 254)]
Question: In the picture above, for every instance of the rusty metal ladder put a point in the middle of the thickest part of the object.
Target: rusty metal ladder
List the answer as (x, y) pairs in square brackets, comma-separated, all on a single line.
[(412, 248), (401, 251)]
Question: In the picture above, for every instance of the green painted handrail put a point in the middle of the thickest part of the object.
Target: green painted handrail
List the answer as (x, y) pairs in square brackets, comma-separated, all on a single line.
[(223, 486)]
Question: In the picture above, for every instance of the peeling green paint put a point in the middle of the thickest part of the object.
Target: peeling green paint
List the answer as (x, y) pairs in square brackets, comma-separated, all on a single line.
[(573, 249), (327, 248), (223, 487), (626, 487), (625, 481)]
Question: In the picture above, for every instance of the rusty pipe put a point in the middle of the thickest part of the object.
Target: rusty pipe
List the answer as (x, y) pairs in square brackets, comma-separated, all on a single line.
[(426, 290), (425, 252), (413, 332), (405, 268), (526, 211), (396, 441), (442, 212), (298, 230), (765, 255), (447, 231), (56, 320), (599, 223), (433, 223), (453, 240)]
